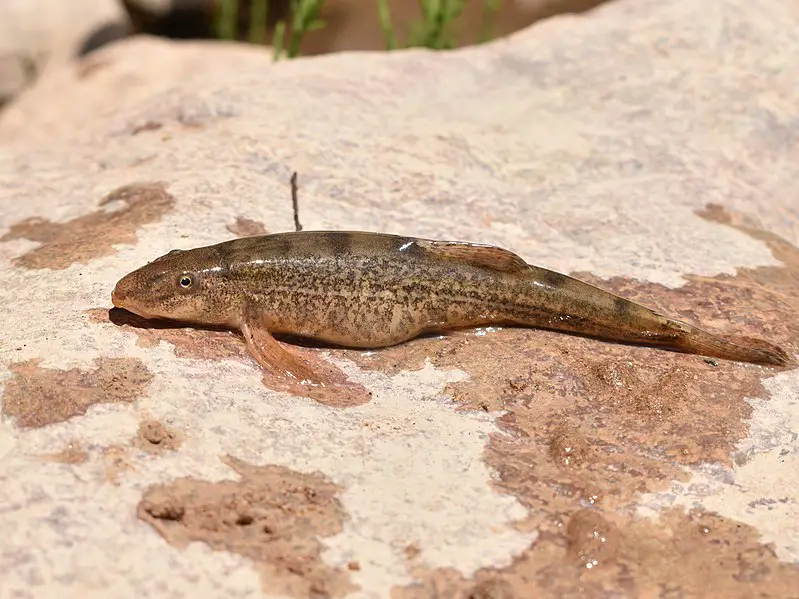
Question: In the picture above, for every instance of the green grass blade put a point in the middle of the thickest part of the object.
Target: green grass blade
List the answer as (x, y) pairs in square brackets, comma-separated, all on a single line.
[(226, 21), (305, 18), (384, 14), (438, 16), (277, 40), (259, 15)]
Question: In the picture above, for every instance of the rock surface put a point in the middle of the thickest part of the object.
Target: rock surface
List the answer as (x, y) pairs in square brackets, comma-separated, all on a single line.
[(648, 147), (115, 78), (37, 36)]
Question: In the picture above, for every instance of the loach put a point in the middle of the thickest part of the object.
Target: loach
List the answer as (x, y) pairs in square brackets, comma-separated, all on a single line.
[(371, 290)]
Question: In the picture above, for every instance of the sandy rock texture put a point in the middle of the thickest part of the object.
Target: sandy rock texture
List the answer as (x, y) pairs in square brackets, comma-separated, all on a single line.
[(40, 36), (647, 147), (120, 76)]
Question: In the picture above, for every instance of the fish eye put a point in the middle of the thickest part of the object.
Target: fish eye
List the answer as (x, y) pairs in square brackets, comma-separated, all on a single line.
[(185, 281)]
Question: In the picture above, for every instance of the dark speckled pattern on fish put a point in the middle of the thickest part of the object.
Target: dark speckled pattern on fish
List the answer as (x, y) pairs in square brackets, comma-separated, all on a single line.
[(358, 289), (373, 290)]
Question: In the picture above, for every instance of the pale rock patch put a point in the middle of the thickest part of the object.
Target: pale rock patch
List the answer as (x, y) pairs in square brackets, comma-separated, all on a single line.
[(760, 487), (38, 37), (403, 454), (114, 77)]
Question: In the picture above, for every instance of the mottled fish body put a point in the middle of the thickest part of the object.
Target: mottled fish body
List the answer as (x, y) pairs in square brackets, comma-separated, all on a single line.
[(371, 290)]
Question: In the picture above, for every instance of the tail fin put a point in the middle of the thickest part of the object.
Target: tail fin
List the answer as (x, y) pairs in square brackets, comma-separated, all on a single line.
[(689, 339), (550, 300)]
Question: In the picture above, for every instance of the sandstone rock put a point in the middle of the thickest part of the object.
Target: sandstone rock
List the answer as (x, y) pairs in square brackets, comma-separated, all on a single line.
[(648, 147), (14, 76), (117, 77), (37, 35)]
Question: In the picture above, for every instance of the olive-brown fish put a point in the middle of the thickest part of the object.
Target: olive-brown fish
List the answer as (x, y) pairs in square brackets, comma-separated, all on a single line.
[(371, 290)]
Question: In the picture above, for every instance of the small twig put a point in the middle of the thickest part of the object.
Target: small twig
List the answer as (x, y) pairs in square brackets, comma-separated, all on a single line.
[(297, 225)]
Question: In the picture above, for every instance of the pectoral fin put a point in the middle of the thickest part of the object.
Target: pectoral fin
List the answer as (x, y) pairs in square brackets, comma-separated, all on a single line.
[(273, 357), (305, 376), (487, 256)]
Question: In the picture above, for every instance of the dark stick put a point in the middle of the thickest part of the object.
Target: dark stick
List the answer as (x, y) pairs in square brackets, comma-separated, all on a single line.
[(297, 225)]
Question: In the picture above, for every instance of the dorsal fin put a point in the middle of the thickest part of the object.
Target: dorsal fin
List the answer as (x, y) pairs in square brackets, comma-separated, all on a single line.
[(477, 254)]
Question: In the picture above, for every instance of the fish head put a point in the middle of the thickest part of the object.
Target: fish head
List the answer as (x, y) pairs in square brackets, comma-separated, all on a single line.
[(183, 285)]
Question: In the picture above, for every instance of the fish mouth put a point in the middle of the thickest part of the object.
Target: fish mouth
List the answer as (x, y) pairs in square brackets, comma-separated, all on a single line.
[(121, 300), (116, 298), (136, 311)]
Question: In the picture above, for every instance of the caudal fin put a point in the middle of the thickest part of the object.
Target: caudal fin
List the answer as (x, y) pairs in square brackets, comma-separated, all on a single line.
[(554, 301), (690, 339)]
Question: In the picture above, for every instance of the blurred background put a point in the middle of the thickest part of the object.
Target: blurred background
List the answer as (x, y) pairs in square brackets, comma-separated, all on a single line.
[(336, 25), (38, 34)]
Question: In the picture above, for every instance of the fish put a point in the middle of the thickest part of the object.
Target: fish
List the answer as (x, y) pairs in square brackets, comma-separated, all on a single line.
[(369, 290)]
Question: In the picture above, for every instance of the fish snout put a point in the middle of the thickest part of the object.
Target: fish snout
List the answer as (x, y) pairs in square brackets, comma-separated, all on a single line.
[(118, 296), (121, 295)]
